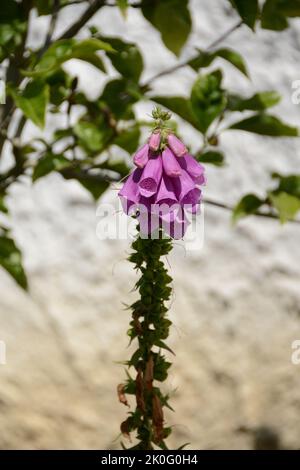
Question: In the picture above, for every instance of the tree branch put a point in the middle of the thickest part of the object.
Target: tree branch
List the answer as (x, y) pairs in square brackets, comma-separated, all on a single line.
[(52, 24), (176, 67), (229, 208), (85, 17)]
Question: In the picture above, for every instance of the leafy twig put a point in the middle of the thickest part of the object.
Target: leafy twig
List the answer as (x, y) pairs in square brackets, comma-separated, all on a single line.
[(176, 67), (85, 17), (227, 207)]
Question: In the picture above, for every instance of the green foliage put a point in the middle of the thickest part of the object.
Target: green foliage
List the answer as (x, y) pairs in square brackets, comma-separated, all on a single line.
[(257, 102), (91, 136), (248, 10), (285, 199), (172, 19), (275, 13), (33, 100), (286, 205), (179, 105), (150, 326), (128, 61), (248, 205), (204, 59), (286, 196), (208, 99), (11, 259), (12, 28), (60, 86), (129, 139), (119, 96), (123, 5), (66, 49), (289, 184), (48, 163), (211, 156), (3, 207), (264, 124)]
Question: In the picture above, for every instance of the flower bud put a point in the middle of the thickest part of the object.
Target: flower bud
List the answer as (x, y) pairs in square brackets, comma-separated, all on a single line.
[(154, 141), (176, 145)]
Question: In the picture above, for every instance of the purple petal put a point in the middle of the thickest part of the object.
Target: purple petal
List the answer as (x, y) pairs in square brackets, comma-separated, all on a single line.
[(154, 141), (176, 228), (142, 156), (186, 190), (166, 203), (176, 145), (166, 191), (194, 169), (151, 177), (129, 193), (170, 164)]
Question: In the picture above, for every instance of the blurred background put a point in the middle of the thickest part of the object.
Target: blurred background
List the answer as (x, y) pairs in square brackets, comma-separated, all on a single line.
[(235, 306)]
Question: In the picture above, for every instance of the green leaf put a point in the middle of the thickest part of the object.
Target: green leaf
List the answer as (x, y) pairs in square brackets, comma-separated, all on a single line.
[(11, 260), (91, 181), (289, 184), (86, 50), (248, 205), (129, 139), (204, 59), (258, 102), (119, 97), (172, 19), (60, 86), (264, 124), (44, 7), (179, 105), (161, 366), (208, 99), (234, 58), (123, 5), (290, 8), (212, 157), (48, 163), (163, 345), (272, 18), (3, 207), (286, 205), (95, 188), (91, 136), (128, 60), (275, 13), (10, 11), (118, 166), (248, 11), (63, 50), (33, 101), (12, 27)]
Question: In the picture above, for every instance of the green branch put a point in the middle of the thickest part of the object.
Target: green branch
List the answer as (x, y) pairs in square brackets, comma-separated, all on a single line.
[(185, 63)]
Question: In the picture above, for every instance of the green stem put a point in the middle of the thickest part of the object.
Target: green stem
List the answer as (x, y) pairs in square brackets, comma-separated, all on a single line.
[(150, 326)]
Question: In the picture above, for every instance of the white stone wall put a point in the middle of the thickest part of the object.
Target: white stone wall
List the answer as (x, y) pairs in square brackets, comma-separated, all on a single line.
[(236, 304)]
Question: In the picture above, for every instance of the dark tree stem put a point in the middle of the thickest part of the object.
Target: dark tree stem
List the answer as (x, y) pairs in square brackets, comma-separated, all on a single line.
[(85, 17)]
